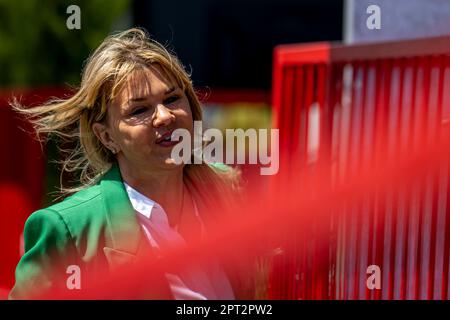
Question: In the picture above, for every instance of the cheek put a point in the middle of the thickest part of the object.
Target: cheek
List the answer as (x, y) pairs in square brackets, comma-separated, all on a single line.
[(135, 136), (186, 122), (185, 116)]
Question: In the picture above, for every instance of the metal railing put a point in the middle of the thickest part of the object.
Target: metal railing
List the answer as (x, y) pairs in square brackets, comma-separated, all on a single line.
[(338, 104)]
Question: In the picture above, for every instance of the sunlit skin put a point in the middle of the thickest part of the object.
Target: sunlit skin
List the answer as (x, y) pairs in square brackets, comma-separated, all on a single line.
[(148, 106)]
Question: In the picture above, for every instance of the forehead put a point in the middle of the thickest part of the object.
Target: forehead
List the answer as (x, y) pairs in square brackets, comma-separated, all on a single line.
[(145, 82)]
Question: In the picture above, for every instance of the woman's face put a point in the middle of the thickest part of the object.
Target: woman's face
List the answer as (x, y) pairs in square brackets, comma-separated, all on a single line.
[(146, 110)]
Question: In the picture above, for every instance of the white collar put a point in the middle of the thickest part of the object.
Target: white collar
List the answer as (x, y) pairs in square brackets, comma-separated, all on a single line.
[(144, 205), (140, 203)]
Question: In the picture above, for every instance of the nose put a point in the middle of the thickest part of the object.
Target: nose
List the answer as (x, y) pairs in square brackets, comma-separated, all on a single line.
[(163, 116)]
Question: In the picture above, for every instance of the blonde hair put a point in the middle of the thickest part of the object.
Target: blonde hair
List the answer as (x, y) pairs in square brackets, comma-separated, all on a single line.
[(105, 72)]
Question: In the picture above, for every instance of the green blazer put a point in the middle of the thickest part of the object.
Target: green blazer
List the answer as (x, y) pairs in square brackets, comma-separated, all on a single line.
[(96, 228)]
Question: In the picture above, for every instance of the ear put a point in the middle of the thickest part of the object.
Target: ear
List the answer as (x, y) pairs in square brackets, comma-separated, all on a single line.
[(102, 132)]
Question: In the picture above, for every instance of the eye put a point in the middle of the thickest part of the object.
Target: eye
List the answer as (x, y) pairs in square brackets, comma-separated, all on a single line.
[(138, 110), (171, 99)]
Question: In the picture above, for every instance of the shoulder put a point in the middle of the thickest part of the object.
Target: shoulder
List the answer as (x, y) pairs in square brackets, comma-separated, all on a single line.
[(60, 235), (49, 246), (45, 224), (80, 205), (72, 215), (76, 202)]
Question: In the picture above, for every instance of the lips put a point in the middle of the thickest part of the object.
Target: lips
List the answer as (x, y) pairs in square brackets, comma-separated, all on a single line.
[(165, 140)]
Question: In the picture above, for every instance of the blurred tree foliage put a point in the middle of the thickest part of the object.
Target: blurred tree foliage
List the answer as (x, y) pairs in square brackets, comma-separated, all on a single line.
[(37, 48)]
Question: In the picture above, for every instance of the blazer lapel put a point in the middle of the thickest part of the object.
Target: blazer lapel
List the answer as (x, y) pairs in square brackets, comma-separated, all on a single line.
[(125, 242), (125, 235)]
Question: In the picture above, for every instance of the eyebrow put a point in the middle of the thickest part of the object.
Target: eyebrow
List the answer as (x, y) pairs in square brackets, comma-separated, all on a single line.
[(140, 99)]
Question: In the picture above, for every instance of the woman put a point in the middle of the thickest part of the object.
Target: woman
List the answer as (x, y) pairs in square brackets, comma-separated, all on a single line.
[(133, 199)]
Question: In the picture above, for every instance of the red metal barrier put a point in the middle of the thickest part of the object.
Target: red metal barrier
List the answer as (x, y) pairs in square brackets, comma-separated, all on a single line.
[(339, 104)]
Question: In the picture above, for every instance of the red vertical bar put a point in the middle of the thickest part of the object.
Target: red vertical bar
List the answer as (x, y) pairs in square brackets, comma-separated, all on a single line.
[(407, 194), (357, 136), (362, 254), (310, 83), (366, 155), (351, 158), (288, 98), (392, 143), (422, 130), (422, 81), (334, 97), (413, 248), (339, 150), (297, 114), (310, 245), (434, 126), (295, 138), (400, 194), (445, 121), (290, 94), (383, 91), (323, 92)]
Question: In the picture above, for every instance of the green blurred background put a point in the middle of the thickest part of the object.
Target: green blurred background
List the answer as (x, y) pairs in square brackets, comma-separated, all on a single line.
[(36, 47)]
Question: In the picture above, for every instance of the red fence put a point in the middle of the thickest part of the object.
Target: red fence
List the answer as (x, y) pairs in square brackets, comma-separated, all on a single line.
[(338, 104)]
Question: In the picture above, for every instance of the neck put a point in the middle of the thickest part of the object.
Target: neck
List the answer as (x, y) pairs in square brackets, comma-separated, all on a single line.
[(166, 187)]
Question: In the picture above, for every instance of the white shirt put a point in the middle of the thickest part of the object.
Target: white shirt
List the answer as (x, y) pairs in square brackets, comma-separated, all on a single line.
[(191, 283)]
